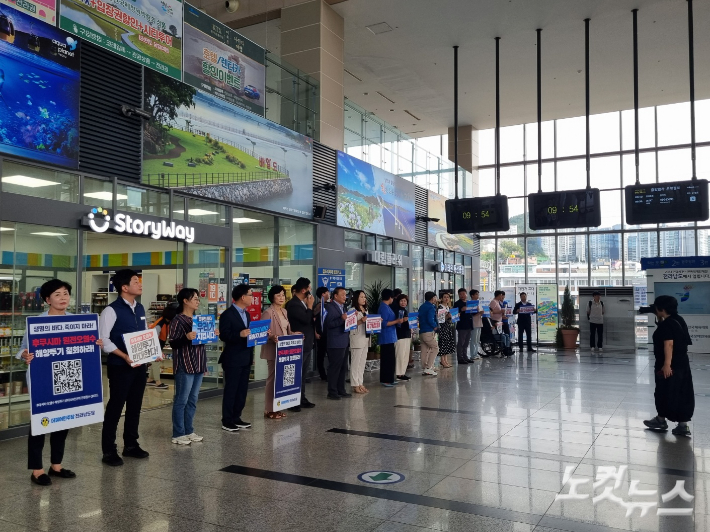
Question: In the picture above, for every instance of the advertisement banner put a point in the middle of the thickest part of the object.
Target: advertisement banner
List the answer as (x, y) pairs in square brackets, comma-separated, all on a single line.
[(531, 293), (331, 278), (259, 333), (211, 148), (436, 231), (287, 383), (254, 309), (39, 86), (413, 320), (351, 320), (204, 326), (220, 61), (375, 201), (64, 378), (142, 347), (144, 31), (373, 324), (44, 10), (547, 312)]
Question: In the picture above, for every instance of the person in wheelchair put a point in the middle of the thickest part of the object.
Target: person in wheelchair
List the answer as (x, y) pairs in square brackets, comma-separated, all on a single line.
[(494, 343)]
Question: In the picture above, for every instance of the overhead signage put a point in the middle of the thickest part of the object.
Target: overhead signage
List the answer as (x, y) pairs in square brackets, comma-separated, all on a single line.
[(384, 258), (40, 82), (680, 201), (437, 234), (218, 60), (144, 31), (450, 268), (44, 10), (477, 215), (674, 262), (567, 209), (99, 221), (287, 381), (375, 201), (64, 378), (331, 278)]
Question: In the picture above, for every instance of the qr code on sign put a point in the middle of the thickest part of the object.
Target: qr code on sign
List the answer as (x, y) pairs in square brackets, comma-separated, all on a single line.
[(289, 374), (66, 376)]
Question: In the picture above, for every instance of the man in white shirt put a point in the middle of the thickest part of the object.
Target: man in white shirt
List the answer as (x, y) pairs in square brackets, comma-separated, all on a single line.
[(595, 315)]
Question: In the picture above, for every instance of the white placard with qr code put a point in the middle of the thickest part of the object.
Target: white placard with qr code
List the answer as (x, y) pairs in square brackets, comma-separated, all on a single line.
[(142, 347)]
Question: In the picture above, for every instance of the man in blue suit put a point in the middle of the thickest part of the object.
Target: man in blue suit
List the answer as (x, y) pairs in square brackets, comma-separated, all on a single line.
[(338, 340)]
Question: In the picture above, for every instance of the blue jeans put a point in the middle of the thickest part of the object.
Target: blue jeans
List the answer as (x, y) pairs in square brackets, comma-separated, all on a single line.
[(187, 387)]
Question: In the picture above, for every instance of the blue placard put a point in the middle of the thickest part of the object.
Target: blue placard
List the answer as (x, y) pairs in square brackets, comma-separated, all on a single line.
[(454, 315), (64, 378), (413, 320), (331, 278), (287, 383), (204, 326), (259, 333), (472, 306)]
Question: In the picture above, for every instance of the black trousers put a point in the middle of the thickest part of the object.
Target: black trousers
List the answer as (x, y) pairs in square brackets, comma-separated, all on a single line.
[(35, 445), (305, 368), (321, 351), (387, 363), (524, 328), (597, 328), (126, 386), (337, 369), (236, 386)]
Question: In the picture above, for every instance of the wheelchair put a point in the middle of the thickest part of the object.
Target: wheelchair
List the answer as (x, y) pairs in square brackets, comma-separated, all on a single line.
[(492, 343)]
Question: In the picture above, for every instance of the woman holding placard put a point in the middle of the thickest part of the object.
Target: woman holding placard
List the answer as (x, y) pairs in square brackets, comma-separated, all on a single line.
[(279, 327), (359, 343), (189, 366), (447, 331)]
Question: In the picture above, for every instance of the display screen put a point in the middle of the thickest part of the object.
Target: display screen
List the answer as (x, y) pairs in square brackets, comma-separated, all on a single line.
[(477, 215), (559, 210), (680, 201)]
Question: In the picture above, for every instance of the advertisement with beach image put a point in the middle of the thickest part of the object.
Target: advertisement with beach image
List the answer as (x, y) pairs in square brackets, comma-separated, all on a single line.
[(220, 61), (547, 312), (44, 10), (146, 31), (436, 231), (375, 201), (210, 148), (39, 90)]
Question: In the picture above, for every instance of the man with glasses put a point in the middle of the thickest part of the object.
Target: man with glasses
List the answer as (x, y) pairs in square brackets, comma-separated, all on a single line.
[(236, 358)]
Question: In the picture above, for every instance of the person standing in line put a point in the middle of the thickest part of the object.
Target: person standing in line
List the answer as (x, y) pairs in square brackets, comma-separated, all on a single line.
[(387, 338), (280, 326), (396, 292), (503, 306), (404, 337), (447, 332), (162, 327), (126, 383), (477, 322), (495, 307), (189, 367), (428, 327), (236, 358), (359, 343), (57, 294), (524, 321), (463, 328), (674, 395), (337, 341), (595, 315), (319, 312), (299, 311)]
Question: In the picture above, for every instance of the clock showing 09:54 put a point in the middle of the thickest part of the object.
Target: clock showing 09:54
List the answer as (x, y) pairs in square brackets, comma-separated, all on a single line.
[(565, 210), (477, 215)]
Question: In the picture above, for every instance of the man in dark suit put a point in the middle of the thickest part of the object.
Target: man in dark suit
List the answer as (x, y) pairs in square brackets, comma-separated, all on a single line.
[(337, 339), (323, 295), (236, 358), (299, 310)]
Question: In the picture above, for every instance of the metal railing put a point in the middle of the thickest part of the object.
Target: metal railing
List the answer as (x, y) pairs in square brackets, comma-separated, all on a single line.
[(168, 180)]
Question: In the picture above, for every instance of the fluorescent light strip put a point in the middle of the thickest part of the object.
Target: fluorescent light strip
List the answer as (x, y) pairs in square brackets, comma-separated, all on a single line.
[(104, 195), (245, 220), (197, 212), (48, 233), (29, 182)]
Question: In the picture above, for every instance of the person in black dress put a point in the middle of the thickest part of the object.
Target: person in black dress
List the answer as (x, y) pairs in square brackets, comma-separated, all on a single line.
[(674, 395)]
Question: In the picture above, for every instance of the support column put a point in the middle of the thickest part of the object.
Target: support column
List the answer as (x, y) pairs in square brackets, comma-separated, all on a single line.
[(468, 158), (312, 40)]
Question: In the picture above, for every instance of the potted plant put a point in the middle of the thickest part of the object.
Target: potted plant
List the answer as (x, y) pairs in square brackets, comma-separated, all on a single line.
[(567, 330)]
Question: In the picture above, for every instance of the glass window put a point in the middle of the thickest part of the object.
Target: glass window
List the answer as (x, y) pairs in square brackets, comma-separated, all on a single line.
[(296, 252), (548, 140), (204, 212), (647, 128), (572, 175), (401, 281), (134, 199), (611, 209), (429, 254), (486, 182), (438, 255), (647, 168), (402, 248), (99, 193), (674, 124), (39, 182), (417, 286), (384, 244), (606, 172), (571, 136), (369, 242), (353, 240), (512, 180), (677, 243), (548, 178), (674, 165), (511, 144), (604, 131), (353, 275), (486, 146)]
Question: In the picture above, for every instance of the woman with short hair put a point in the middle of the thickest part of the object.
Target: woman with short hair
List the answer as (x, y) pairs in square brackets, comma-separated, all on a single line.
[(280, 326)]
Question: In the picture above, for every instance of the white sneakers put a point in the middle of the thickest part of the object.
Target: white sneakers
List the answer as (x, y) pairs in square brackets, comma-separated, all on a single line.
[(430, 372), (187, 440)]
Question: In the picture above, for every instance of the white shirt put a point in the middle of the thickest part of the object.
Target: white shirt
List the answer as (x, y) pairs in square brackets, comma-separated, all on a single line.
[(596, 312), (106, 322)]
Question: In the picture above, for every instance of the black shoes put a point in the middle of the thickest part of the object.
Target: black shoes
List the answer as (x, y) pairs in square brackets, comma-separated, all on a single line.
[(135, 452), (531, 350), (307, 404), (63, 473), (403, 378), (334, 397), (42, 480), (242, 424), (230, 427), (655, 424), (681, 431), (295, 409), (463, 361), (345, 394), (112, 459)]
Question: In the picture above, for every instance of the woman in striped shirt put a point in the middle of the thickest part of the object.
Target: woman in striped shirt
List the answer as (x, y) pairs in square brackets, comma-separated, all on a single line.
[(189, 366)]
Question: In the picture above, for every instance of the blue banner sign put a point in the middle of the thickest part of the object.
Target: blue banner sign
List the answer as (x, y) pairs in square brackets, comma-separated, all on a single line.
[(287, 383), (472, 306), (64, 378), (413, 320), (454, 315), (331, 278), (204, 326), (674, 262), (259, 333)]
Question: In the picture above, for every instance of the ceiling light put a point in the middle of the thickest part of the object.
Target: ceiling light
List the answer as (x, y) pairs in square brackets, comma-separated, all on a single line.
[(380, 27), (105, 195), (48, 233), (6, 229), (196, 212), (25, 181), (245, 220)]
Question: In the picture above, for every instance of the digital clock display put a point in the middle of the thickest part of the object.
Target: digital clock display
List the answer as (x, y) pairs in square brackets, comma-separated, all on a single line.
[(561, 210), (476, 215), (679, 201)]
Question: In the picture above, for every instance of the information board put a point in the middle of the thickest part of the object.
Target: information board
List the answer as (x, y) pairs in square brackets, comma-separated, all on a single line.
[(287, 383), (565, 209), (331, 278), (476, 215), (679, 201)]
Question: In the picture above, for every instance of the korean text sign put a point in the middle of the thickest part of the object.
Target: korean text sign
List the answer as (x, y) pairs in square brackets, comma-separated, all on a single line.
[(413, 320), (373, 323), (287, 384), (259, 333), (472, 306), (143, 347), (454, 315), (65, 383), (351, 321), (204, 326)]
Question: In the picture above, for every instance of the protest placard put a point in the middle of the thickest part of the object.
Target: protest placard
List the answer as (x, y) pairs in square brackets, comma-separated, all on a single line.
[(142, 347), (413, 320), (472, 306), (204, 326), (351, 320), (259, 333), (454, 315), (373, 324), (287, 383)]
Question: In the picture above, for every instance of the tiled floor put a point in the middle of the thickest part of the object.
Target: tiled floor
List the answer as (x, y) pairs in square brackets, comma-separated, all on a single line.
[(493, 446)]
